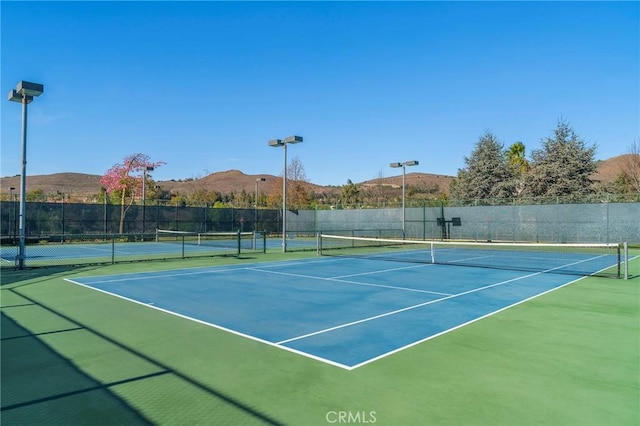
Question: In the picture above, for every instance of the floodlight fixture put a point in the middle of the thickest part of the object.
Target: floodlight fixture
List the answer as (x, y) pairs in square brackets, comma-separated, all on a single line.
[(283, 143), (403, 165), (14, 96), (24, 93), (29, 89), (292, 139)]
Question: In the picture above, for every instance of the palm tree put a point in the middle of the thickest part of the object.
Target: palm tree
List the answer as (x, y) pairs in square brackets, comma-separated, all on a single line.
[(516, 156)]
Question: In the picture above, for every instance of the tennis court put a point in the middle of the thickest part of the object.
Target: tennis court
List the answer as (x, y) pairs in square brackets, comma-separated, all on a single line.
[(304, 339), (102, 249), (344, 311)]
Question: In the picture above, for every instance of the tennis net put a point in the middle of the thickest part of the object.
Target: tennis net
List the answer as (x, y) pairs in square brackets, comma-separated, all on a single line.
[(575, 259), (234, 242)]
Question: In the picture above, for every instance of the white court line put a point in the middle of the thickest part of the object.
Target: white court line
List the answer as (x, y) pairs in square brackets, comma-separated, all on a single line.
[(259, 268), (156, 276), (432, 302), (433, 336), (199, 270), (349, 282), (483, 316), (308, 355), (419, 305), (193, 271), (219, 327), (208, 269), (383, 271), (87, 247), (393, 287)]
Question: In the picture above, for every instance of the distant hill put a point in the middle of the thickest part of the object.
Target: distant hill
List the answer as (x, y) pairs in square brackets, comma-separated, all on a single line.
[(609, 170), (74, 184), (226, 182), (78, 185), (84, 186), (421, 180)]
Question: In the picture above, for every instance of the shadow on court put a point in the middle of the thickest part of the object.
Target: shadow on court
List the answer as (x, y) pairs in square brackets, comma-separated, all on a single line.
[(35, 275), (42, 386)]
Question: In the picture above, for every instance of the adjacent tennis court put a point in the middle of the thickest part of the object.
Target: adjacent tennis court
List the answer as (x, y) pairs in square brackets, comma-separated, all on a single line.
[(348, 311), (72, 249)]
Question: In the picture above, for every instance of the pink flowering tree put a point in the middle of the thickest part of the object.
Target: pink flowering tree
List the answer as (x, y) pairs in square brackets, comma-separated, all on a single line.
[(125, 181)]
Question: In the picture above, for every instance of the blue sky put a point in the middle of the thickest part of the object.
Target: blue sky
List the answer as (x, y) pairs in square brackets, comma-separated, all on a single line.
[(204, 85)]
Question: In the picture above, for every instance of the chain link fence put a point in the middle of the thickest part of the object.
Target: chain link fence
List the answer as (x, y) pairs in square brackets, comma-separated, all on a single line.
[(51, 220), (64, 223)]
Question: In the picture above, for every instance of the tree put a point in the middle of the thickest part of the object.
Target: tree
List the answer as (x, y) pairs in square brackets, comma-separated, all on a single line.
[(630, 173), (125, 181), (487, 174), (516, 157), (36, 195), (203, 197), (350, 193), (379, 191), (298, 192), (563, 166)]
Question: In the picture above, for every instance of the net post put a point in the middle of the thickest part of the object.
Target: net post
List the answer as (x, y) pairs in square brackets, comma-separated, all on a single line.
[(113, 249), (618, 260), (626, 260), (264, 241), (239, 242), (183, 246), (318, 244)]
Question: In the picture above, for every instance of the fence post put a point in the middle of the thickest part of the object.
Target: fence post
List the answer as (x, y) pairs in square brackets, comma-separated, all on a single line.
[(62, 206)]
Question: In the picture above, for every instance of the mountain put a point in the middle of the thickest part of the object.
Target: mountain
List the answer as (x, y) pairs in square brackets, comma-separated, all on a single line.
[(609, 170), (226, 182), (76, 184), (84, 187)]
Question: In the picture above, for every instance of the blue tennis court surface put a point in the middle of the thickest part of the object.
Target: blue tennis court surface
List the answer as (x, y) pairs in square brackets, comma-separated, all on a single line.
[(105, 250), (342, 311), (123, 250)]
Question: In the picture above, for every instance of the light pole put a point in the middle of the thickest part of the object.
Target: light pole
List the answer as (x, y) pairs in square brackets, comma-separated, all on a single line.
[(403, 165), (144, 195), (255, 205), (283, 143), (24, 93)]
